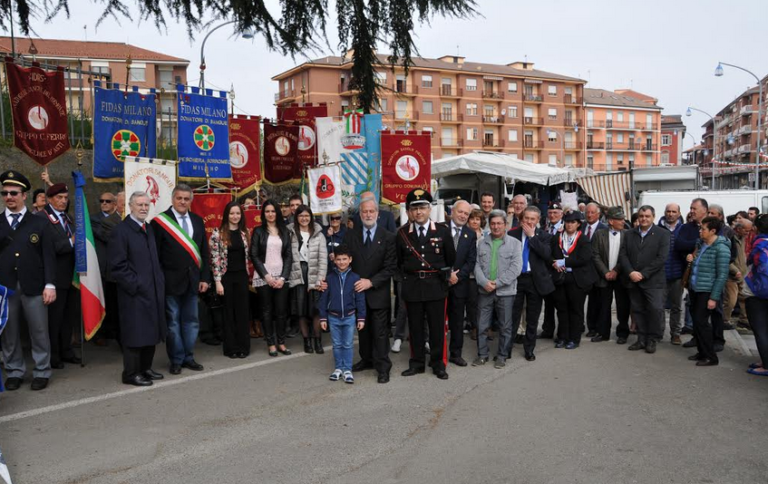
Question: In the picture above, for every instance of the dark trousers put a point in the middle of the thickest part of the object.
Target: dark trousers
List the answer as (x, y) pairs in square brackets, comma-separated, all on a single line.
[(137, 360), (456, 307), (373, 339), (757, 312), (274, 308), (718, 323), (526, 293), (548, 326), (593, 309), (62, 315), (435, 314), (110, 328), (237, 322), (647, 307), (472, 304), (604, 322), (569, 301), (702, 328)]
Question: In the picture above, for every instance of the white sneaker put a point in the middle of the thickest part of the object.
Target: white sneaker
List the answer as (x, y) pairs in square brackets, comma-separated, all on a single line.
[(396, 345), (348, 378), (336, 375)]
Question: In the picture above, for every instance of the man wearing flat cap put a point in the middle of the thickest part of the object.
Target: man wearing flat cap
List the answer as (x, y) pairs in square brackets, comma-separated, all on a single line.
[(63, 314), (27, 267), (425, 256)]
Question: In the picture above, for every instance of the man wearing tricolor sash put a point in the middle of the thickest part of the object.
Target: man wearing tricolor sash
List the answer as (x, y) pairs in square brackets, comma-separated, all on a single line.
[(183, 251)]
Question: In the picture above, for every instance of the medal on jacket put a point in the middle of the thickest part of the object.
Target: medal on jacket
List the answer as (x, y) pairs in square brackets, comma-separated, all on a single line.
[(570, 246)]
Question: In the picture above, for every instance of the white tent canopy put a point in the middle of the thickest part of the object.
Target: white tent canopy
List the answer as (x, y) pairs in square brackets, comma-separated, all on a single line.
[(499, 164)]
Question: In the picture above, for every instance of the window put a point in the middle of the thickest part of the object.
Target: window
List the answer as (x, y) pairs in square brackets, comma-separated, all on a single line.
[(512, 111), (138, 74), (552, 90), (427, 107), (620, 138), (402, 108), (608, 161), (472, 134), (165, 77), (381, 77), (292, 84), (384, 105), (471, 109), (426, 81), (666, 140), (488, 111), (552, 135), (569, 91), (568, 160), (609, 115), (620, 116), (590, 161), (631, 161), (552, 112), (513, 135), (553, 159), (345, 103), (648, 160), (512, 87), (619, 159), (529, 158), (471, 84)]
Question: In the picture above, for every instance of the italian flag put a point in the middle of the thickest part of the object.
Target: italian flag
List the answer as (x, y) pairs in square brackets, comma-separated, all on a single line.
[(87, 275)]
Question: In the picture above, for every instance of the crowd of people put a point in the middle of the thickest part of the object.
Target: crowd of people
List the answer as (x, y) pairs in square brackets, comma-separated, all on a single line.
[(486, 272)]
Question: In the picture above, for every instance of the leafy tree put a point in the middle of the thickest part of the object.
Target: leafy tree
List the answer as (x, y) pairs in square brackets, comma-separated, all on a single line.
[(362, 24)]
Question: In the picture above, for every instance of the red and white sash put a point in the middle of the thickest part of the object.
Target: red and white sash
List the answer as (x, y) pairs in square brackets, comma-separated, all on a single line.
[(172, 227)]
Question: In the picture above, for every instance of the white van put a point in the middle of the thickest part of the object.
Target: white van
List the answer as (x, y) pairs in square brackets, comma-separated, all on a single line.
[(732, 201)]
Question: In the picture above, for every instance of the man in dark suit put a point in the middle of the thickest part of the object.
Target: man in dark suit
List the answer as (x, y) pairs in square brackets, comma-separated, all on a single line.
[(643, 254), (425, 256), (385, 219), (554, 225), (27, 267), (135, 267), (64, 313), (465, 243), (374, 260), (102, 224), (183, 249), (606, 245), (535, 280), (590, 228)]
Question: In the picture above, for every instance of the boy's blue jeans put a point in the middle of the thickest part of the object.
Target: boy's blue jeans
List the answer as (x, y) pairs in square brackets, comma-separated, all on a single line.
[(342, 336)]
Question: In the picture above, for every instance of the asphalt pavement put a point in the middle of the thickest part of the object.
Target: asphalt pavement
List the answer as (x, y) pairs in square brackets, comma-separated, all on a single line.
[(597, 414)]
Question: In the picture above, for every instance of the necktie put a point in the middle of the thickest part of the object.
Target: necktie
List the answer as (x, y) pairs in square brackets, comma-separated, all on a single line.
[(144, 228), (367, 238), (65, 225), (526, 253), (456, 233), (184, 224), (589, 232), (15, 217), (421, 234)]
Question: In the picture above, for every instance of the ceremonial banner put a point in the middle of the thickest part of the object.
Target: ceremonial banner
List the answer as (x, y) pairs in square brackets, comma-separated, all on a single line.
[(39, 110), (87, 272), (155, 177), (281, 154), (245, 152), (304, 116), (252, 216), (406, 164), (203, 135), (124, 124), (325, 189), (210, 206)]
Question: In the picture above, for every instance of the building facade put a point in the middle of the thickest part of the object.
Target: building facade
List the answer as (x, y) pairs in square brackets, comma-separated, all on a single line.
[(467, 106), (672, 138), (621, 131)]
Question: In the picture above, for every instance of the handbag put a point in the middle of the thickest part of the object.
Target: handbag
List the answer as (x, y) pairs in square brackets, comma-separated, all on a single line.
[(688, 271)]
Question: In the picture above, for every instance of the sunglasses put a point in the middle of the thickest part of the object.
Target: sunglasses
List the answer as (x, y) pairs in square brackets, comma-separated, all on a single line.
[(335, 218), (107, 201), (13, 193)]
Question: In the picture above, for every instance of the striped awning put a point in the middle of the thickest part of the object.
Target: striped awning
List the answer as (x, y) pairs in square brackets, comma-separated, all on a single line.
[(608, 190)]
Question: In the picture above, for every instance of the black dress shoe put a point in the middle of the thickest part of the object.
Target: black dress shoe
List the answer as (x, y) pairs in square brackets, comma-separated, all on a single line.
[(621, 341), (57, 365), (13, 383), (695, 357), (544, 335), (718, 347), (707, 362), (175, 369), (636, 346), (458, 361), (383, 378), (211, 341), (75, 360), (591, 333), (284, 351), (412, 371), (39, 383), (519, 339), (691, 343), (650, 347), (441, 374), (242, 355), (361, 366), (137, 380), (530, 357), (152, 375), (686, 330), (192, 365), (598, 338)]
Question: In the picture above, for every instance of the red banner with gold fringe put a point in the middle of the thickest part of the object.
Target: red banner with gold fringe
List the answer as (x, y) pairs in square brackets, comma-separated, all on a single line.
[(405, 164)]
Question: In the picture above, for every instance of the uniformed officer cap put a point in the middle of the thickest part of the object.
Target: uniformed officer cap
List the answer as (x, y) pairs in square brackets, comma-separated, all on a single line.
[(13, 177), (573, 216), (417, 197)]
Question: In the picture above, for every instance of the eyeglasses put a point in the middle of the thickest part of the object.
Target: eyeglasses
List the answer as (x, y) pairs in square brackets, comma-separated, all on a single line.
[(13, 193), (107, 201)]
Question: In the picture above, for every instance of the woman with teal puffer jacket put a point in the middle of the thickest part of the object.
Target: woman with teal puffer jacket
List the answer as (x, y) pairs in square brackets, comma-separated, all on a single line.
[(708, 275)]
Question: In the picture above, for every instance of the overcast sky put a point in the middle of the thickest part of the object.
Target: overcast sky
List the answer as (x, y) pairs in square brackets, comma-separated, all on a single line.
[(663, 48)]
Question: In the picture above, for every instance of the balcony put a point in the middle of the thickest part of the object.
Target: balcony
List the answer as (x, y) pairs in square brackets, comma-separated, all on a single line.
[(533, 98), (407, 115), (493, 95), (345, 90), (572, 145), (649, 147), (571, 123), (449, 117), (571, 99), (493, 119), (451, 143), (285, 95), (595, 145), (450, 91), (745, 148), (746, 110), (492, 143), (591, 123), (528, 121), (405, 90), (533, 145)]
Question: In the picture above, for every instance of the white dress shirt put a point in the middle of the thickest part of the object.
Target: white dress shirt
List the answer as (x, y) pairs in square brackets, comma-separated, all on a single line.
[(8, 213), (614, 244), (180, 218)]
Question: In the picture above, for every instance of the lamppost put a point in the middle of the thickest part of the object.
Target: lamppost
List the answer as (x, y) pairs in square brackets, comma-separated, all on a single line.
[(719, 73), (246, 35), (714, 138)]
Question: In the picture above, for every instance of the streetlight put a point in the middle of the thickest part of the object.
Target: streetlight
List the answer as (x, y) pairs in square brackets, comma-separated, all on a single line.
[(714, 138), (719, 73), (249, 34)]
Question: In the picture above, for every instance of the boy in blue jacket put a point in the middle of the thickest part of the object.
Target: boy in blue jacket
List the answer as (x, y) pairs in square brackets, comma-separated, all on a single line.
[(340, 306)]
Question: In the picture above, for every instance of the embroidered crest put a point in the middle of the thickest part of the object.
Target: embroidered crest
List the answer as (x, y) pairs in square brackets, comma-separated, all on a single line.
[(34, 238)]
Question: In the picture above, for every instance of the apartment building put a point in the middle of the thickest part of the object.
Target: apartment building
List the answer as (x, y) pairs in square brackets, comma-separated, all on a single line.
[(672, 138), (148, 69), (623, 130), (467, 106)]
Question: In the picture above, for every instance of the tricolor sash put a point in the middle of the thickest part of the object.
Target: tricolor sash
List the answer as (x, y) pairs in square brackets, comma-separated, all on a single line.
[(172, 227), (568, 250)]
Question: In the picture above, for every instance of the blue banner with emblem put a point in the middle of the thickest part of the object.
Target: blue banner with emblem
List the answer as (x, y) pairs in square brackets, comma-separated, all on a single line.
[(361, 158), (124, 124), (203, 135)]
